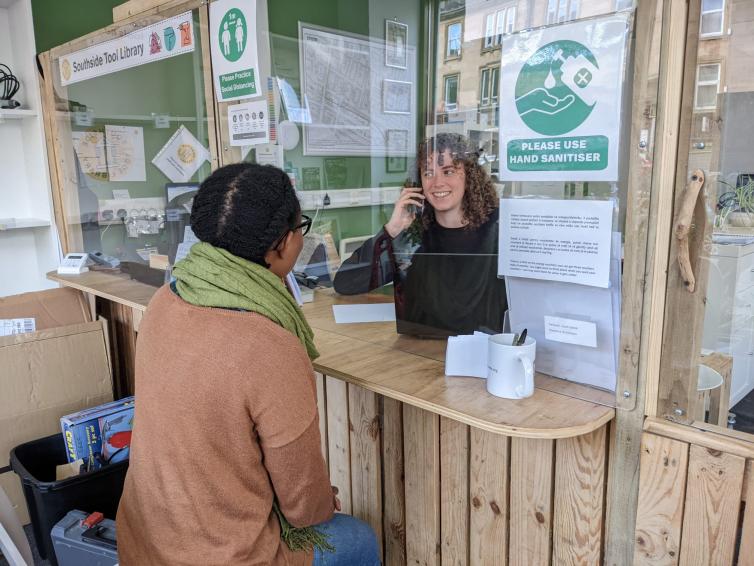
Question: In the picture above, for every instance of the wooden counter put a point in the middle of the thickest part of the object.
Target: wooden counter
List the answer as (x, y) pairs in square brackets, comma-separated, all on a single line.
[(444, 472), (408, 369)]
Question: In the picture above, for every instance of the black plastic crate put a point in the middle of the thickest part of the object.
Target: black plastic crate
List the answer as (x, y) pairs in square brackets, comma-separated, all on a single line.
[(48, 500)]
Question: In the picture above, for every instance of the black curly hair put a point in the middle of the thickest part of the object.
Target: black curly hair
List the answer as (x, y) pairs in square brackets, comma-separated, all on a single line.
[(244, 208)]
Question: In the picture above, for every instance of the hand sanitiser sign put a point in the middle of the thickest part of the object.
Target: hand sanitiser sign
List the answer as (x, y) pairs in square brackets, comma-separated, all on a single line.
[(560, 101), (167, 38)]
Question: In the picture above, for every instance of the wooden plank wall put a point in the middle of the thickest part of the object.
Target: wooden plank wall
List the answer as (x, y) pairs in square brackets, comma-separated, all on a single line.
[(438, 492), (692, 508)]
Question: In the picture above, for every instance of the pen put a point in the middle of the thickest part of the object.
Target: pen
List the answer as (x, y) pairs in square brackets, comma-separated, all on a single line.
[(522, 339)]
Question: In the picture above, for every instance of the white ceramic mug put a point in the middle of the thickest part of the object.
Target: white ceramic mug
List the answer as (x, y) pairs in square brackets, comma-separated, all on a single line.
[(510, 369)]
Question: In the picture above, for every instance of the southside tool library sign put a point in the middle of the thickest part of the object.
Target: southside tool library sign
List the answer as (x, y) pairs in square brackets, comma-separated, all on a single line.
[(167, 38), (561, 91)]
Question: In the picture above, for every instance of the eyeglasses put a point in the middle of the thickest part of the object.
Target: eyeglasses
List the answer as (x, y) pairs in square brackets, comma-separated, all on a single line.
[(305, 225)]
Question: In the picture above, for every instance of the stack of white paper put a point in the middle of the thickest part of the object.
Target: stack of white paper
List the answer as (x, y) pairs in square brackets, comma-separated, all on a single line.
[(467, 355)]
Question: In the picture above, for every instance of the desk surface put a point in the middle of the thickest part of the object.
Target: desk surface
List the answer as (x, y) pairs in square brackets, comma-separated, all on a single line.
[(408, 369)]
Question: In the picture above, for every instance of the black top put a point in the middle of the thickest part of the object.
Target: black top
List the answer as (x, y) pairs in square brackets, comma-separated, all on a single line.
[(447, 285)]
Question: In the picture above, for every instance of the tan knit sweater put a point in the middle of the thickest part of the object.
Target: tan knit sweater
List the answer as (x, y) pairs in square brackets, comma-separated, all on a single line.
[(226, 419)]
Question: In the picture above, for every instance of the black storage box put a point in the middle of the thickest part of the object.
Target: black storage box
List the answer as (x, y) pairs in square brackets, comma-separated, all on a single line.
[(49, 501)]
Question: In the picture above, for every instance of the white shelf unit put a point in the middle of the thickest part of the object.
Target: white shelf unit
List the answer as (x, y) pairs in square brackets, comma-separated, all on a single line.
[(22, 223), (28, 238), (16, 114)]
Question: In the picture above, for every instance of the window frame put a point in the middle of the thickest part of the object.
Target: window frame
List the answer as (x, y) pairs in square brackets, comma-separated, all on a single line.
[(448, 54), (488, 96), (704, 12), (445, 79), (497, 25), (561, 11), (698, 83)]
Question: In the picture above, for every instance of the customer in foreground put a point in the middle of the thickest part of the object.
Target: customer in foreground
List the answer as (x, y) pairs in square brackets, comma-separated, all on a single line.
[(226, 466)]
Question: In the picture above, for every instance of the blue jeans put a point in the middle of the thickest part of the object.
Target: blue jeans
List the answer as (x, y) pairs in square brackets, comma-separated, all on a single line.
[(354, 541)]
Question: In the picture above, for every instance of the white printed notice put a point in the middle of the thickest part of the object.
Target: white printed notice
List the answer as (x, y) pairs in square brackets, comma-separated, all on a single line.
[(248, 123), (556, 240), (570, 331), (182, 156), (125, 153), (560, 91)]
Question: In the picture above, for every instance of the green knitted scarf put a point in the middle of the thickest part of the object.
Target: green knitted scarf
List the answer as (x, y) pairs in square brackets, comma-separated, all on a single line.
[(213, 277)]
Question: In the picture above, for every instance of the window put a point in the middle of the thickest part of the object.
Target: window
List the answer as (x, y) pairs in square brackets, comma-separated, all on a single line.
[(451, 93), (623, 4), (454, 40), (496, 25), (711, 23), (707, 85), (489, 86), (559, 11)]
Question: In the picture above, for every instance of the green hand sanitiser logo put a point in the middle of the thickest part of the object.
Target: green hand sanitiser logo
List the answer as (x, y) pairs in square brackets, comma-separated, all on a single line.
[(553, 95), (232, 35)]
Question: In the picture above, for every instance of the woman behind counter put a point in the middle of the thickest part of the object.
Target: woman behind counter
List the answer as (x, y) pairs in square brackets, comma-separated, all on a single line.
[(448, 284), (226, 436)]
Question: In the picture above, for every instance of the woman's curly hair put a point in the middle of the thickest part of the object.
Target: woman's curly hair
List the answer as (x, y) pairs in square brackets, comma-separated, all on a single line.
[(479, 197)]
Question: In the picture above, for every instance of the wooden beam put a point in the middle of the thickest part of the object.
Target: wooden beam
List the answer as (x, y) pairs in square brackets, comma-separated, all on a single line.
[(421, 449), (338, 440), (454, 492), (531, 499), (713, 500), (488, 496), (704, 438), (746, 550), (395, 494), (684, 312), (366, 468), (322, 414), (642, 213), (662, 487), (579, 499)]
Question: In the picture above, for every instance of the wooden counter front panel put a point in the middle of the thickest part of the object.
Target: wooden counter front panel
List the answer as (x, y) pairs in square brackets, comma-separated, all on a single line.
[(438, 492)]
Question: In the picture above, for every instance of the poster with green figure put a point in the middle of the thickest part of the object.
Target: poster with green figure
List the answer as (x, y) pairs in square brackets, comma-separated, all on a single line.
[(235, 64), (561, 90)]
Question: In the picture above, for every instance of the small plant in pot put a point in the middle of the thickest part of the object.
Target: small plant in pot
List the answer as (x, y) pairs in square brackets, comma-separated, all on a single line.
[(736, 205)]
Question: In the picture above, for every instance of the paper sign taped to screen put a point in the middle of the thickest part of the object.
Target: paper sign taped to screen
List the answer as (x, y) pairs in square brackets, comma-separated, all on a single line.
[(556, 240)]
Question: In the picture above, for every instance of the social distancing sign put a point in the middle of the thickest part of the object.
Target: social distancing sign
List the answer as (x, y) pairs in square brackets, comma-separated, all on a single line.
[(561, 91), (233, 42)]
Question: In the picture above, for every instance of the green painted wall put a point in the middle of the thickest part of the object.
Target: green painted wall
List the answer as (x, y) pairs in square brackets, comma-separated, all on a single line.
[(60, 21)]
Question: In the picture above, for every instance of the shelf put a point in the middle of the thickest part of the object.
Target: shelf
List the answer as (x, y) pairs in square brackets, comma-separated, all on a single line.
[(16, 114), (21, 223)]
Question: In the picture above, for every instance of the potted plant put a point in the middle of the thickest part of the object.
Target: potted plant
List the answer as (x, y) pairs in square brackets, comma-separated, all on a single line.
[(736, 205)]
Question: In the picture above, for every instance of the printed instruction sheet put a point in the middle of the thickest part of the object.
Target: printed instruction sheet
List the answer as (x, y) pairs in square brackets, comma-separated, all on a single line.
[(556, 240)]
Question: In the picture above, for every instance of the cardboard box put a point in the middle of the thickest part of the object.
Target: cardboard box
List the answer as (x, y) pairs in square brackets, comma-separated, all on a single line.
[(50, 309), (62, 368)]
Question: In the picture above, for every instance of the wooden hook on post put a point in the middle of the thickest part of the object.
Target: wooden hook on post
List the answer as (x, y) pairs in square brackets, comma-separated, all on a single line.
[(683, 227)]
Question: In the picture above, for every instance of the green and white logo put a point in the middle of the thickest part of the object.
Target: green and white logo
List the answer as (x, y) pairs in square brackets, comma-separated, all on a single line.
[(232, 35), (553, 88)]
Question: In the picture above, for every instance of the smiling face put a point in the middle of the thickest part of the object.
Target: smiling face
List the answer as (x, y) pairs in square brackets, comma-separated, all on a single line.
[(444, 183)]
